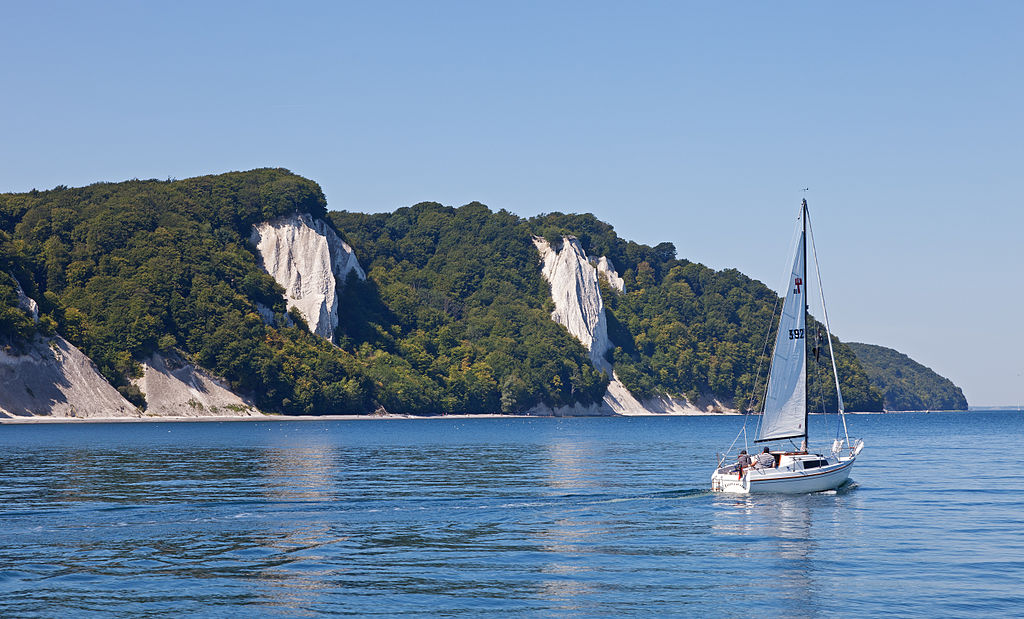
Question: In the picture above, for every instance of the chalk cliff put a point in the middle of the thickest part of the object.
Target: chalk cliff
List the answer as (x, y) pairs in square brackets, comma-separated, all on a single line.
[(606, 268), (52, 378), (27, 304), (175, 387), (579, 307), (578, 304), (310, 261)]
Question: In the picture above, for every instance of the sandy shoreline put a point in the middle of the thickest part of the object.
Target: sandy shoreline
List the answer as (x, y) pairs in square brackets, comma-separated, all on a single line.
[(370, 417)]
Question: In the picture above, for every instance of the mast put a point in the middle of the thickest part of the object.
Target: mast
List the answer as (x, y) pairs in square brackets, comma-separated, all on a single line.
[(803, 216)]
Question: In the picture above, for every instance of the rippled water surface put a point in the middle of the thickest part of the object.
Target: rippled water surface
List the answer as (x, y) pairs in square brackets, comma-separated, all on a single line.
[(502, 517)]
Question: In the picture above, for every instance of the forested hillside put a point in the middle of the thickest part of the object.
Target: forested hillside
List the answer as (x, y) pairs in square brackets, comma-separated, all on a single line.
[(454, 316), (682, 328), (125, 269), (905, 384)]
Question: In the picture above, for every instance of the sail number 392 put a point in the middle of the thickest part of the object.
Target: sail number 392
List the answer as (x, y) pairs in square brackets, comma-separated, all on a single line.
[(796, 334)]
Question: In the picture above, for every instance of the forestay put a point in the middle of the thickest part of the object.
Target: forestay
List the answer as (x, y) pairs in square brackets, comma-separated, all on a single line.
[(785, 403)]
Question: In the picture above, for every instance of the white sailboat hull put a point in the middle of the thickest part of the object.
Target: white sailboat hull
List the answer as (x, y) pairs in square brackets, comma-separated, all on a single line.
[(786, 480)]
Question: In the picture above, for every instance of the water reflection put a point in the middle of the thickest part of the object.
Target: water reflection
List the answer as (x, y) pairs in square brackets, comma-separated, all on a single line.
[(775, 538), (566, 541), (568, 464), (299, 472), (304, 566), (304, 552)]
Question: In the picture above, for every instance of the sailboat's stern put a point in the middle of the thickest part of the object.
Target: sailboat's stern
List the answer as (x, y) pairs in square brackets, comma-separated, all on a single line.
[(727, 479)]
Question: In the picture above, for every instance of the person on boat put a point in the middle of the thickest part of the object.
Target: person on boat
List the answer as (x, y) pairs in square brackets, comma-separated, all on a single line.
[(743, 461), (765, 460)]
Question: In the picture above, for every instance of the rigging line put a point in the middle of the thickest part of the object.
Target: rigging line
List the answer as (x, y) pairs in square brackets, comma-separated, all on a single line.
[(761, 356), (818, 379), (742, 431), (828, 329)]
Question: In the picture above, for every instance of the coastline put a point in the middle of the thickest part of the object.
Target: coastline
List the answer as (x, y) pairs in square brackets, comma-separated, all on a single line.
[(371, 417), (368, 417)]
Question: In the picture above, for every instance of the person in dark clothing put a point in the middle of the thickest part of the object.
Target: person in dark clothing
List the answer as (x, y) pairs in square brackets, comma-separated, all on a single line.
[(742, 462)]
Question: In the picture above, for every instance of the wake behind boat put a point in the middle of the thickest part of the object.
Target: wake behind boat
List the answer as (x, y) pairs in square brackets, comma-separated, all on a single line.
[(784, 416)]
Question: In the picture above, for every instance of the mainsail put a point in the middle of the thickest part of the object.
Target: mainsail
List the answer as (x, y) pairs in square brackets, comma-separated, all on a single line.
[(785, 406)]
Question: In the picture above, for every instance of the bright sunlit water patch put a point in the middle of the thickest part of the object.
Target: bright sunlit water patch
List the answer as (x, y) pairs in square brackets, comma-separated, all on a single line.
[(502, 516)]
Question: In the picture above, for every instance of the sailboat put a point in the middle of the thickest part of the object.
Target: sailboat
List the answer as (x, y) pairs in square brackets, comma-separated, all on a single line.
[(784, 416)]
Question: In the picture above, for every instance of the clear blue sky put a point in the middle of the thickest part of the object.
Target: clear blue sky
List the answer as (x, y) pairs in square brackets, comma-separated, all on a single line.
[(695, 123)]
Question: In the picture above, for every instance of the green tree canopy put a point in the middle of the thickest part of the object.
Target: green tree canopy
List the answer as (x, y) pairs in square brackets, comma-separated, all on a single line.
[(905, 384)]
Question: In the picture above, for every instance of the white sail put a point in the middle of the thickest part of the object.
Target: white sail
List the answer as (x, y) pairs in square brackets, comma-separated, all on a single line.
[(786, 401)]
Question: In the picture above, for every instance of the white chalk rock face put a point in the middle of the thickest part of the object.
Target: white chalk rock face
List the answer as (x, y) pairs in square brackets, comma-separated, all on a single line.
[(577, 297), (310, 261), (578, 307), (267, 314), (27, 304), (175, 387), (52, 378), (621, 401), (667, 405), (606, 268)]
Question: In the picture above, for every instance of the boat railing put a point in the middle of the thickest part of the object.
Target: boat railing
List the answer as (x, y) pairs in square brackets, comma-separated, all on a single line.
[(852, 447)]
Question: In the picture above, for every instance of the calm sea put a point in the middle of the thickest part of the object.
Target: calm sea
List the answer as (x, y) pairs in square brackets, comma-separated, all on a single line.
[(503, 517)]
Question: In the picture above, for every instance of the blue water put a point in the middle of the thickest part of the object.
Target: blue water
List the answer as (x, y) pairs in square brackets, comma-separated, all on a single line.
[(576, 517)]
